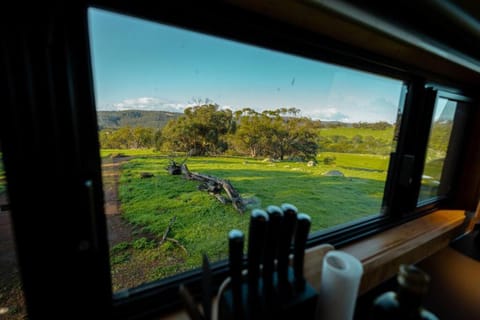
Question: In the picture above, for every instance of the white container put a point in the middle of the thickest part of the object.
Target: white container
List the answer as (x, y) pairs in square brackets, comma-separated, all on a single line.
[(341, 275)]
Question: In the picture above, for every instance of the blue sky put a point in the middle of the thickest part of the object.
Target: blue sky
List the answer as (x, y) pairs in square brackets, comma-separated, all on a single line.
[(148, 66)]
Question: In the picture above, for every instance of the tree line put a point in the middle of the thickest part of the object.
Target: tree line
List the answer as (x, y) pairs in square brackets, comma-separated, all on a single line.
[(210, 130)]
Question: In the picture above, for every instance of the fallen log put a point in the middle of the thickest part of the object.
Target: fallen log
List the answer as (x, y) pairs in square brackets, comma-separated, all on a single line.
[(174, 168), (214, 186)]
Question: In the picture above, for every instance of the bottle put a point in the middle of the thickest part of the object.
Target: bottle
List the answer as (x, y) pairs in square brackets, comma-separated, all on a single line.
[(406, 302)]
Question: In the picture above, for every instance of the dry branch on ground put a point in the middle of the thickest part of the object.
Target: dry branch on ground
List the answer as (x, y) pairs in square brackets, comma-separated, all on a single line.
[(166, 238), (213, 185)]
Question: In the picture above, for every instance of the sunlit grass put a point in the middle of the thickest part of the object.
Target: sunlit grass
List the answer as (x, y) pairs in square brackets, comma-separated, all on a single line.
[(202, 223), (127, 152), (385, 134)]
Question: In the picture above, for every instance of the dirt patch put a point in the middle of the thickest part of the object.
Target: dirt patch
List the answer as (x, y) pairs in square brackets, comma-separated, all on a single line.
[(118, 230)]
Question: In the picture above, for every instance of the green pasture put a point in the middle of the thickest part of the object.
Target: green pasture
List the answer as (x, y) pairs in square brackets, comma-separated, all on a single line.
[(109, 153), (350, 132), (202, 222)]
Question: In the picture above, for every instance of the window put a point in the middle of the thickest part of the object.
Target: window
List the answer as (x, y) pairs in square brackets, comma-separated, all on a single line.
[(444, 144), (280, 128)]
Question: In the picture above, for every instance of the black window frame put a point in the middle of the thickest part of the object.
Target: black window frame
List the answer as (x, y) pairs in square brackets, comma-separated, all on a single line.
[(52, 44), (455, 148)]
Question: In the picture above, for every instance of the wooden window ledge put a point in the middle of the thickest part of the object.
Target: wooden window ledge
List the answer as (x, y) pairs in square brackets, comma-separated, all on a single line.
[(382, 254)]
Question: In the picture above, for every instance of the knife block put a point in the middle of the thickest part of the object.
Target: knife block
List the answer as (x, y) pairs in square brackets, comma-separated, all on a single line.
[(296, 305)]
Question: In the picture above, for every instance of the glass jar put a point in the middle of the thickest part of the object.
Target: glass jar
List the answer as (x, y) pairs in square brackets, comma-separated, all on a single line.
[(406, 302)]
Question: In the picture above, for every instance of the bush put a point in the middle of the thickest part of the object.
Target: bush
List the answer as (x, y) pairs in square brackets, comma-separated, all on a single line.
[(329, 160)]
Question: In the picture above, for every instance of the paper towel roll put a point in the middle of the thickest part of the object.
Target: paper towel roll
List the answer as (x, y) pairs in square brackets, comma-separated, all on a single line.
[(341, 274)]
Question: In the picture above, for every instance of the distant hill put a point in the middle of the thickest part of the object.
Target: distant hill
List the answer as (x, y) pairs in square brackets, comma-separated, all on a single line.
[(333, 124), (134, 118)]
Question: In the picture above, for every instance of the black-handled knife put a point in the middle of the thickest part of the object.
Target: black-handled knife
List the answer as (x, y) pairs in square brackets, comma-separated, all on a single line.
[(275, 217), (256, 245), (285, 241), (301, 235), (206, 288), (189, 302), (235, 246)]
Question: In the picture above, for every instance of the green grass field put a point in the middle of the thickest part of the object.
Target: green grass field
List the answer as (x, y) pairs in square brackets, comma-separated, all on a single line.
[(329, 200), (386, 134), (202, 223)]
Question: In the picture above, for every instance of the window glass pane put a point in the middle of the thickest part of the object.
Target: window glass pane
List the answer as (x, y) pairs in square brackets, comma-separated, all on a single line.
[(438, 143), (12, 304), (280, 128)]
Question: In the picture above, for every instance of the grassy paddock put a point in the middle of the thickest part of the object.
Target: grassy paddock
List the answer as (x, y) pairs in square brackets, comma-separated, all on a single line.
[(386, 134), (202, 223), (106, 153)]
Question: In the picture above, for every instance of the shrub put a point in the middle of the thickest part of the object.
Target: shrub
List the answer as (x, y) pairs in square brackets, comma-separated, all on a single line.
[(329, 160)]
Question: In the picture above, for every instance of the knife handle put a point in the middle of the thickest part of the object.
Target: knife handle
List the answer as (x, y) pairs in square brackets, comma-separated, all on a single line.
[(235, 246), (256, 244), (275, 217), (206, 288), (285, 241), (301, 234), (189, 302)]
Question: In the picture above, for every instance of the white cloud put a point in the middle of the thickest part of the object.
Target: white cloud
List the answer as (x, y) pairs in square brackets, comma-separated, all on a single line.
[(346, 108), (379, 109), (330, 114), (145, 103)]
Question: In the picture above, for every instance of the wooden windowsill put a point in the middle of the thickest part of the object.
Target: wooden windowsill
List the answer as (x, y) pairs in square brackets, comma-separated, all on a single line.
[(382, 254)]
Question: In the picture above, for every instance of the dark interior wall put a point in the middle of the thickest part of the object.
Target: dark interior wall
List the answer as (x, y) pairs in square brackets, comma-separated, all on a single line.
[(59, 230)]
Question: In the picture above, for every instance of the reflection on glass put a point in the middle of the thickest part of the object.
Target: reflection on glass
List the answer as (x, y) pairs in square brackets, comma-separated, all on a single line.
[(439, 138), (279, 127), (12, 305)]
